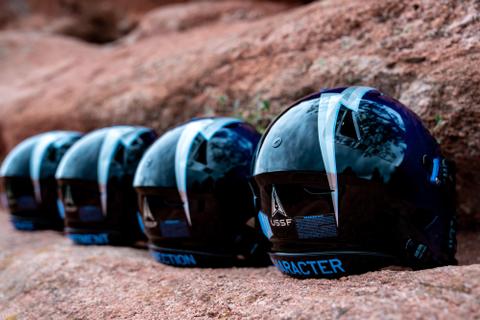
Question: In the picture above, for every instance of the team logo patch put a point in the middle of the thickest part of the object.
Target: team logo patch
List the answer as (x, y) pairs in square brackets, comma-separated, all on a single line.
[(148, 218), (280, 217), (68, 200)]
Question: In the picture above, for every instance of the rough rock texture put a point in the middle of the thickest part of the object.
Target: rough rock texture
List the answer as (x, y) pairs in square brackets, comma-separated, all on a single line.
[(44, 276), (252, 59)]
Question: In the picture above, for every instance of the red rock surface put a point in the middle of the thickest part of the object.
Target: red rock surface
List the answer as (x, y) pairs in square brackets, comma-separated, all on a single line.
[(166, 61), (44, 276), (251, 59)]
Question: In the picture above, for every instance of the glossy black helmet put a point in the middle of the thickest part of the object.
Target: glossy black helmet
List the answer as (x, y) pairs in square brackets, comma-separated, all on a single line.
[(95, 185), (28, 172), (193, 193), (349, 180)]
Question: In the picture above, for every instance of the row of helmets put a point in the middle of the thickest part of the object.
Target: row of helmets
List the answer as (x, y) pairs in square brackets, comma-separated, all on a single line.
[(342, 182)]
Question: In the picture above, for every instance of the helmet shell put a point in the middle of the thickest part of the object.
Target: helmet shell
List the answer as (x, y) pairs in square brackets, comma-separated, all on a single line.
[(193, 192), (353, 172), (95, 185), (28, 174)]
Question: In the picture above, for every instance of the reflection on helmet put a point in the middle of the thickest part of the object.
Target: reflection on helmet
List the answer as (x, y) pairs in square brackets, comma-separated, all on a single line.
[(95, 185), (194, 195), (29, 184), (344, 182)]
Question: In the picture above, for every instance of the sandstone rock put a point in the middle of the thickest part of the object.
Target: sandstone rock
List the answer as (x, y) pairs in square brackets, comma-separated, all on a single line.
[(424, 53), (183, 17), (42, 275)]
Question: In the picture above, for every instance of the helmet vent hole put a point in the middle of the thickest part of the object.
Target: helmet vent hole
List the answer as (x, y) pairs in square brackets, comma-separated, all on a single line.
[(202, 153), (120, 154), (348, 126)]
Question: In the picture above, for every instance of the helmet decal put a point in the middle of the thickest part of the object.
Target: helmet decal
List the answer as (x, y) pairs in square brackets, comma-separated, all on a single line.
[(56, 138), (277, 208), (16, 165), (265, 224), (279, 215), (107, 152), (61, 208), (36, 162), (186, 144), (328, 109), (9, 193), (150, 221), (68, 199)]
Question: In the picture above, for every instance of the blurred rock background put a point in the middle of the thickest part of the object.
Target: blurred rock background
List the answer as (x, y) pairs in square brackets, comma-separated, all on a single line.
[(83, 64)]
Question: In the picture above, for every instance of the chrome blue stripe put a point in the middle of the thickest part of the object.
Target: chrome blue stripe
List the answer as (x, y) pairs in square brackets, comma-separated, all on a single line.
[(328, 108), (107, 152), (207, 128)]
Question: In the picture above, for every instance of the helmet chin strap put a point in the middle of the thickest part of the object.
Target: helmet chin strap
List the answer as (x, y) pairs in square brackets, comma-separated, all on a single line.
[(328, 107)]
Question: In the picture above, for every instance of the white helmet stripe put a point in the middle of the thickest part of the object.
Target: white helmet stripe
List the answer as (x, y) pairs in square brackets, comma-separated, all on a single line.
[(352, 96), (181, 159), (36, 162), (328, 108), (211, 129), (207, 128), (109, 147), (327, 117)]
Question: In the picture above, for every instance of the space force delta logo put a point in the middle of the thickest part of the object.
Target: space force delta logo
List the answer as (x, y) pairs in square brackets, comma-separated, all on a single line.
[(279, 216), (68, 200)]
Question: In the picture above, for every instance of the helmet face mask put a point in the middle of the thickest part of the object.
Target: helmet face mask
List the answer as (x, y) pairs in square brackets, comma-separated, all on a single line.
[(339, 178), (95, 186), (194, 195), (29, 183)]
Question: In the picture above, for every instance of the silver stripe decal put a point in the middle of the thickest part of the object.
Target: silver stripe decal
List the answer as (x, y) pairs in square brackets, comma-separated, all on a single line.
[(38, 153), (181, 160), (327, 115), (128, 140), (352, 96), (36, 162), (107, 152), (328, 108), (11, 157), (218, 124), (207, 128)]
